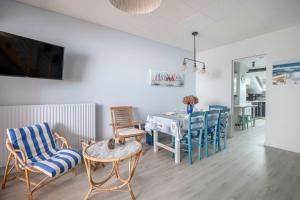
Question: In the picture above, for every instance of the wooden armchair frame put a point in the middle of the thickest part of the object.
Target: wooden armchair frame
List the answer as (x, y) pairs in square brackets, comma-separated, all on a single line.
[(122, 117), (23, 170)]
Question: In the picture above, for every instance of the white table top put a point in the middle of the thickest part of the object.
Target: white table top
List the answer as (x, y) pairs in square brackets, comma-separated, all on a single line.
[(100, 151)]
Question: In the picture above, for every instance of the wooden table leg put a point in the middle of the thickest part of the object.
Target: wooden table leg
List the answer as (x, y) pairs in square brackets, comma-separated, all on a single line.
[(97, 187), (253, 115), (130, 191), (155, 140), (132, 166), (88, 170), (177, 151), (116, 169), (86, 197), (243, 118)]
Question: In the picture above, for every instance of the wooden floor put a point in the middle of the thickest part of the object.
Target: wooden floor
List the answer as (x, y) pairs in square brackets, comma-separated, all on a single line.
[(245, 170)]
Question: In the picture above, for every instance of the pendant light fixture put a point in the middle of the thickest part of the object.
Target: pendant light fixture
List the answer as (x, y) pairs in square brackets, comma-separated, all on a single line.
[(136, 6), (195, 61)]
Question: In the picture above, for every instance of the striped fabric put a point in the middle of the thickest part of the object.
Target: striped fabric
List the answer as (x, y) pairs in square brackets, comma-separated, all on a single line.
[(41, 152)]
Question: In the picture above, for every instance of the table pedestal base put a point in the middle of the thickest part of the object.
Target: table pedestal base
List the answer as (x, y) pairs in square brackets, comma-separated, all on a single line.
[(98, 187)]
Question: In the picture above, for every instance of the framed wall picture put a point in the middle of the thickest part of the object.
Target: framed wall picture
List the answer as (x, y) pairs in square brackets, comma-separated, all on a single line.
[(286, 73), (167, 79)]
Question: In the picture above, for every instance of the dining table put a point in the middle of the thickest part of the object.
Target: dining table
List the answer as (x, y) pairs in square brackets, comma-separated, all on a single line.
[(171, 123)]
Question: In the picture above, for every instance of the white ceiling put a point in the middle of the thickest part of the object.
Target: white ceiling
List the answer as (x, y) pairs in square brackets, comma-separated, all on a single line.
[(218, 22)]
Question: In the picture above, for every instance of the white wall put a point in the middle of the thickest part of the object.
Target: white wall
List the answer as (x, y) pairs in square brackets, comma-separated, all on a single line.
[(101, 65), (283, 107)]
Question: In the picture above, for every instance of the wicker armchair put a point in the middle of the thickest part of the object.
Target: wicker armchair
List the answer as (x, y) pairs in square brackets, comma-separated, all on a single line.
[(123, 124), (35, 149)]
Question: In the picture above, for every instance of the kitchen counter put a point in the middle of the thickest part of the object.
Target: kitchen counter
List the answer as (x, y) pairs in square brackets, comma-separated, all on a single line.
[(260, 110), (244, 106), (256, 101)]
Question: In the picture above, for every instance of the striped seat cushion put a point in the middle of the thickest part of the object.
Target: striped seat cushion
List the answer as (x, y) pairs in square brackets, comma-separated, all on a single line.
[(61, 162), (41, 152)]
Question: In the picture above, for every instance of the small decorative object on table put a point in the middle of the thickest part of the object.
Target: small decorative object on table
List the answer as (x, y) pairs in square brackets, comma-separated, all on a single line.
[(190, 101), (111, 143)]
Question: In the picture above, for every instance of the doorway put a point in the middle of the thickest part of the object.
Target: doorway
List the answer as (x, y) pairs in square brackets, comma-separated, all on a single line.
[(249, 93)]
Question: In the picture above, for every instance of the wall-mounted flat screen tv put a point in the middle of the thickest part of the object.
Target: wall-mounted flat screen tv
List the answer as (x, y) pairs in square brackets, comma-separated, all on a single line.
[(20, 56)]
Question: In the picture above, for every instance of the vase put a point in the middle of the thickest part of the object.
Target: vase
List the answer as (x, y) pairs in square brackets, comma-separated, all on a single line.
[(189, 108)]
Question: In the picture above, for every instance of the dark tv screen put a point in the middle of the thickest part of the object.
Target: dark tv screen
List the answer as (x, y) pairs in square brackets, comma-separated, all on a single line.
[(20, 56)]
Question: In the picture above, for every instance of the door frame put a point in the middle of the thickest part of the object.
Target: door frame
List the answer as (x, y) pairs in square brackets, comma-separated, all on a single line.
[(232, 85)]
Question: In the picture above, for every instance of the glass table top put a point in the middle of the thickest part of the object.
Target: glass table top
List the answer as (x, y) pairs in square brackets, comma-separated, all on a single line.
[(100, 152)]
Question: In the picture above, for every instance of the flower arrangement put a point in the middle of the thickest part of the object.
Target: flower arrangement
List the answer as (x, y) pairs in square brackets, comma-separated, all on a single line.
[(190, 100)]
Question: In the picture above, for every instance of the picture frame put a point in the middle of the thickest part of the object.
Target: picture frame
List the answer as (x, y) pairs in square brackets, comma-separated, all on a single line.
[(166, 79), (286, 73)]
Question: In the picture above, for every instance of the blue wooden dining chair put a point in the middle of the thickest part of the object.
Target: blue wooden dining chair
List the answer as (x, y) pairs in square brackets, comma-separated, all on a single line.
[(211, 130), (223, 126), (223, 123), (194, 132)]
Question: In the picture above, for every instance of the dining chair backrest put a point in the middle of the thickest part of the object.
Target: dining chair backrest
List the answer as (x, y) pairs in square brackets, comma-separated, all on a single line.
[(196, 121), (212, 118), (223, 126), (217, 107), (224, 118)]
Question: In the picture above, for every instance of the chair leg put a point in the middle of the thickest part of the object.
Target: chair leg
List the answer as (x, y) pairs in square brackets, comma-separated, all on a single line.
[(215, 140), (190, 150), (173, 145), (225, 138), (28, 184), (139, 137), (74, 171), (6, 173), (186, 146), (200, 145), (206, 143), (219, 138)]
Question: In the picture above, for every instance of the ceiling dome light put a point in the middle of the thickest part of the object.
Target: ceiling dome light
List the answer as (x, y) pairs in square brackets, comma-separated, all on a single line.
[(136, 6)]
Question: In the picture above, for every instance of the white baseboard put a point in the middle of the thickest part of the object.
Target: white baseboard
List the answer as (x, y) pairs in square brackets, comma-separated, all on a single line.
[(281, 147)]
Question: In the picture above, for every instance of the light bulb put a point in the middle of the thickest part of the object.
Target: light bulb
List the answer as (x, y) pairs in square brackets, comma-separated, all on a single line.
[(183, 65), (203, 71), (195, 67)]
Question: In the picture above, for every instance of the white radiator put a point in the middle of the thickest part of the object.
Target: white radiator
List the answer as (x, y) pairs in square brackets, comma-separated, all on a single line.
[(76, 122)]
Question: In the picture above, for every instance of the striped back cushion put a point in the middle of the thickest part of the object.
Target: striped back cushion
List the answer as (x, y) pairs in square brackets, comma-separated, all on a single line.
[(36, 141)]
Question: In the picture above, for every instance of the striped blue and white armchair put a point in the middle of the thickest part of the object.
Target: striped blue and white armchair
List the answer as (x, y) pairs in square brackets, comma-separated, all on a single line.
[(35, 149)]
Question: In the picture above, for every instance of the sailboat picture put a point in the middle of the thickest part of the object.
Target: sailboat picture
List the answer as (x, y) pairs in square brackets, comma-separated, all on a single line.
[(169, 79)]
